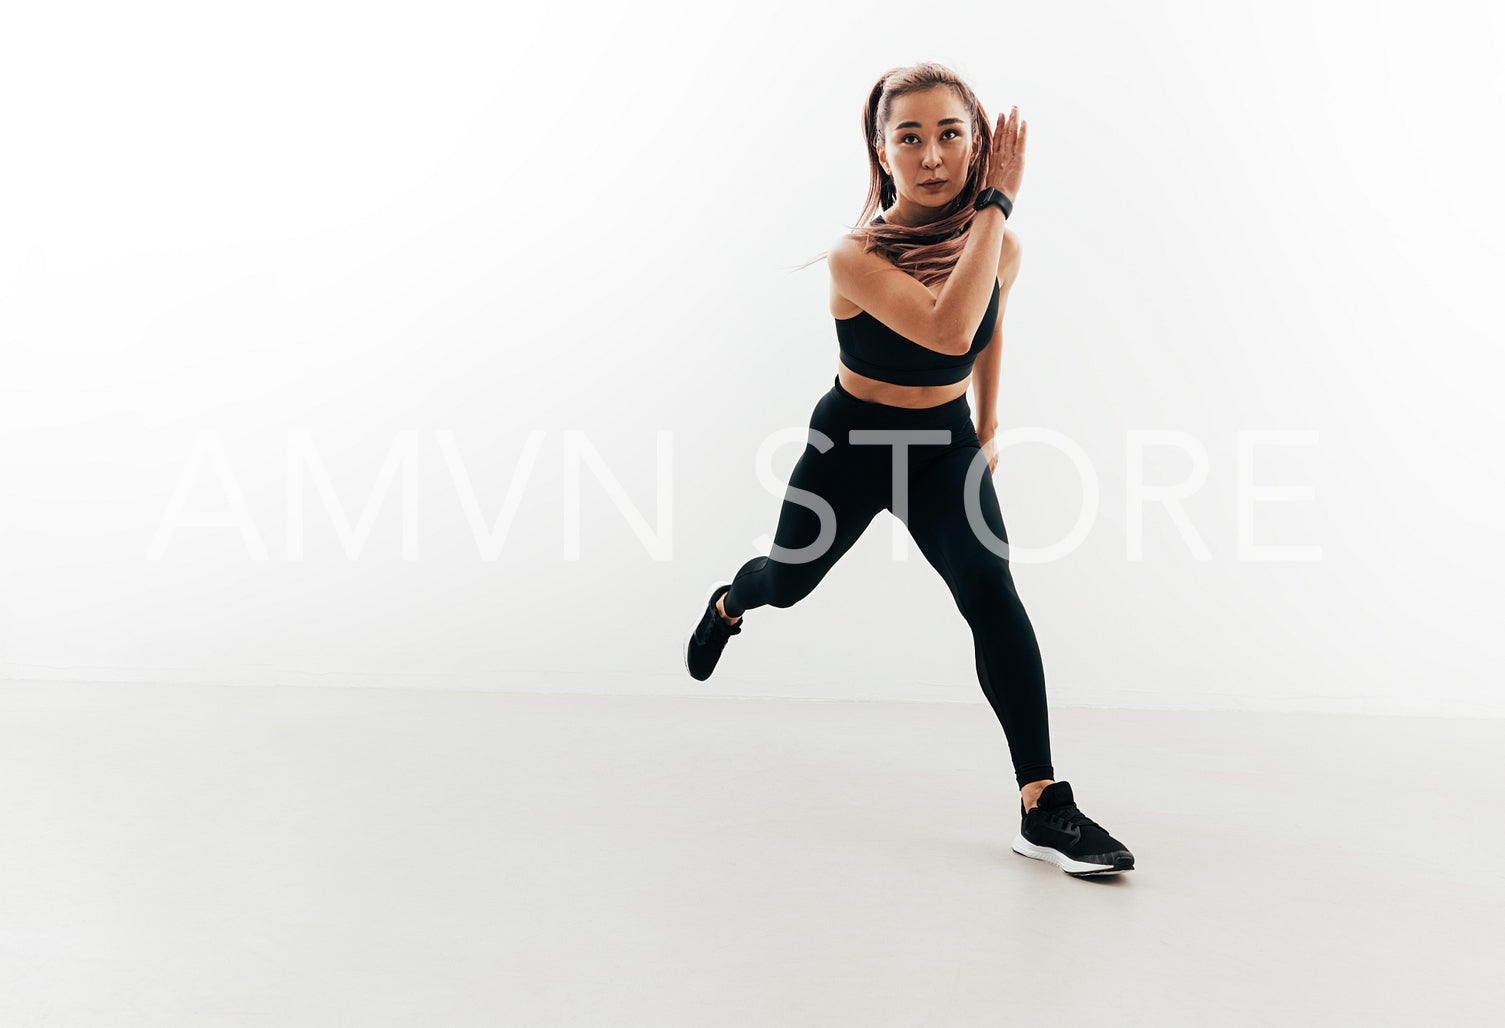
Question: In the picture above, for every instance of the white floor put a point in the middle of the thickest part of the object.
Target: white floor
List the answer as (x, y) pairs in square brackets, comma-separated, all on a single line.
[(206, 857)]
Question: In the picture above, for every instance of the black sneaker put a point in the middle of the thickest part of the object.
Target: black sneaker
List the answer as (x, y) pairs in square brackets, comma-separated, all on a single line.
[(703, 647), (1055, 830)]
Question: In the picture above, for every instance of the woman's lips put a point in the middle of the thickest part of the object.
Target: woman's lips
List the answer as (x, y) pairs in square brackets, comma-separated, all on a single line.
[(932, 185)]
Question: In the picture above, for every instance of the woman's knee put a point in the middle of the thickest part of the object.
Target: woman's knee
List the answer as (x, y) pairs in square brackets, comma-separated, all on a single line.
[(987, 593), (787, 584), (764, 581)]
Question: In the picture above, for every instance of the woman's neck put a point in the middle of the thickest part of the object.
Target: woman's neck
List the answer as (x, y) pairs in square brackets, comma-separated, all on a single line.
[(937, 214)]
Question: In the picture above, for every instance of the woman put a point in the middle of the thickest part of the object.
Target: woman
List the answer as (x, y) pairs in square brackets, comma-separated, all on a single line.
[(918, 295)]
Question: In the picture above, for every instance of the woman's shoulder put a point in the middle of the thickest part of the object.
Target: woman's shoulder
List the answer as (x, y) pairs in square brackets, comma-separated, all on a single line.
[(848, 246), (851, 247), (1009, 254)]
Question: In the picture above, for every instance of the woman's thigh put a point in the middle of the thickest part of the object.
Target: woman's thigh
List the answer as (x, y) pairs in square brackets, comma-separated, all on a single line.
[(834, 492), (955, 519)]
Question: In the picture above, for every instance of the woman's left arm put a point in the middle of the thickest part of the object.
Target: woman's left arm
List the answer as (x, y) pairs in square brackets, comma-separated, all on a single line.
[(987, 368)]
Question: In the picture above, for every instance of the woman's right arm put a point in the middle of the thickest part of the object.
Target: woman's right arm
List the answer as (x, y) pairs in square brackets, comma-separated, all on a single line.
[(947, 322)]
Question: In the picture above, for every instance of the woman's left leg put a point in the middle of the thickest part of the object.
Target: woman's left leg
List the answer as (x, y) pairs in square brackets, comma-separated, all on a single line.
[(1009, 667)]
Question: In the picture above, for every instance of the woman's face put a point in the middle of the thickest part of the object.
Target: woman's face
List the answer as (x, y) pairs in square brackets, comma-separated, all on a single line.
[(928, 137)]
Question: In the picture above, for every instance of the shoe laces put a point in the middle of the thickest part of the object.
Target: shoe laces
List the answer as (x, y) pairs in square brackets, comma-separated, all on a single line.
[(1070, 814)]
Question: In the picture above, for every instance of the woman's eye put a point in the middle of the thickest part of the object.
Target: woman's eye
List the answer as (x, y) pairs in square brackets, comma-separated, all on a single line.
[(911, 135)]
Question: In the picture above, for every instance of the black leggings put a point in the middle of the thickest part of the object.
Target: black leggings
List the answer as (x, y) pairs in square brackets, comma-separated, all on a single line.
[(915, 463)]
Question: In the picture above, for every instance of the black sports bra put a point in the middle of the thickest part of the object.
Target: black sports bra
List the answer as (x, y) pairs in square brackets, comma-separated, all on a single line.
[(871, 348)]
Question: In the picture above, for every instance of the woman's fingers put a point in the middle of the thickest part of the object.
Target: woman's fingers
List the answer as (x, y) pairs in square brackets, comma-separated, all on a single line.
[(1008, 150), (1010, 130)]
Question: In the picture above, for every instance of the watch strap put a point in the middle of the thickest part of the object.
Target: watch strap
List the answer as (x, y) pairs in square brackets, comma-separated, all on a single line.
[(994, 196)]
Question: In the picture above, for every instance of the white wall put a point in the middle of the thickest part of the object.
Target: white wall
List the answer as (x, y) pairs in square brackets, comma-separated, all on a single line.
[(460, 235)]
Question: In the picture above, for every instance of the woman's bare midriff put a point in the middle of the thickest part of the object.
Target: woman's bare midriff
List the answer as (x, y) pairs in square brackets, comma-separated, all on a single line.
[(874, 391)]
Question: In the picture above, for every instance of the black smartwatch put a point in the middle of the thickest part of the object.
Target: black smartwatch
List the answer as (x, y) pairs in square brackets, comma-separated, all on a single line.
[(991, 195)]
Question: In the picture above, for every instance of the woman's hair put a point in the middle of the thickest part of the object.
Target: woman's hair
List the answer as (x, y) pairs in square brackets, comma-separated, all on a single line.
[(928, 252)]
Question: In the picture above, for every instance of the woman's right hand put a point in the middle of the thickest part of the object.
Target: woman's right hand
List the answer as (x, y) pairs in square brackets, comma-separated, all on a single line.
[(1006, 162)]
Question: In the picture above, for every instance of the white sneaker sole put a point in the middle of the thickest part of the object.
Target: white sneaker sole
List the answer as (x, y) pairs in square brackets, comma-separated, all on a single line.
[(698, 615), (1072, 867)]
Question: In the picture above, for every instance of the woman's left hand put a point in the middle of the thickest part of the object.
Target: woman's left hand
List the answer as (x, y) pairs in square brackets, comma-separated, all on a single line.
[(985, 435)]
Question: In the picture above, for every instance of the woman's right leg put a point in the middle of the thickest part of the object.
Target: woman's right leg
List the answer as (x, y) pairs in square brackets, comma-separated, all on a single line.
[(1009, 666), (834, 493)]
